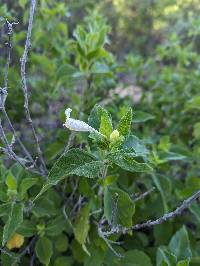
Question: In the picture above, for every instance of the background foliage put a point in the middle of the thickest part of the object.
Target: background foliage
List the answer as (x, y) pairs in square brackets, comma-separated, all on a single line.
[(100, 58)]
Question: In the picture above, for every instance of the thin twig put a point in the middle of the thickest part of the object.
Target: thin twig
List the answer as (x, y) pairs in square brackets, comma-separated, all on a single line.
[(26, 152), (66, 216), (75, 186), (26, 250), (143, 195), (7, 253), (32, 260), (77, 205), (108, 242), (3, 91), (9, 152), (9, 26), (25, 88)]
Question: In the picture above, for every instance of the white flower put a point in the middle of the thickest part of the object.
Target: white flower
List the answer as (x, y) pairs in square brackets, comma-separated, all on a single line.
[(77, 125)]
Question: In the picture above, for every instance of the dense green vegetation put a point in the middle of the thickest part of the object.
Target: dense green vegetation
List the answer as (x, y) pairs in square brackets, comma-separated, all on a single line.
[(100, 132)]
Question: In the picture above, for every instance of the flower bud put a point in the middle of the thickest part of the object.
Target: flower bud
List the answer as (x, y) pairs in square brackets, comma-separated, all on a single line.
[(114, 135)]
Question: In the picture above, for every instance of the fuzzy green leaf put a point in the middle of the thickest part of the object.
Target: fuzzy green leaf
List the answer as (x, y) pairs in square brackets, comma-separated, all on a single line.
[(94, 119), (127, 162), (125, 123), (15, 218), (137, 145), (77, 162), (74, 162), (106, 124), (90, 170)]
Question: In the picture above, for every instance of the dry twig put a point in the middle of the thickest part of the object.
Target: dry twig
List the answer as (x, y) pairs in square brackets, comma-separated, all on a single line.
[(25, 88)]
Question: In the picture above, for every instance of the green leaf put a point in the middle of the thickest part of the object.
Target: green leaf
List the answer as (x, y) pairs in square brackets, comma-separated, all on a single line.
[(164, 257), (127, 162), (163, 184), (5, 209), (118, 207), (164, 143), (101, 69), (96, 258), (100, 140), (75, 161), (196, 131), (44, 250), (136, 144), (194, 208), (44, 207), (66, 70), (14, 220), (106, 124), (11, 181), (55, 226), (77, 251), (180, 245), (140, 117), (61, 243), (193, 103), (64, 261), (135, 258), (162, 233), (94, 119), (90, 170), (8, 259), (183, 263), (171, 156), (82, 225), (125, 123), (3, 192), (22, 3), (25, 185), (27, 228), (110, 257)]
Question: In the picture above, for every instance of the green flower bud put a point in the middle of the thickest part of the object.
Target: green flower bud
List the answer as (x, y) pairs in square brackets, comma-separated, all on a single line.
[(114, 135)]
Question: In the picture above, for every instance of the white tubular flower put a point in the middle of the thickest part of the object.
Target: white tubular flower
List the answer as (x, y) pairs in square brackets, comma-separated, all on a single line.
[(77, 125)]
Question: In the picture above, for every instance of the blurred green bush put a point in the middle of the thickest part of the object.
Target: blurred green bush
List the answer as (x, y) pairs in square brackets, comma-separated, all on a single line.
[(118, 53)]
